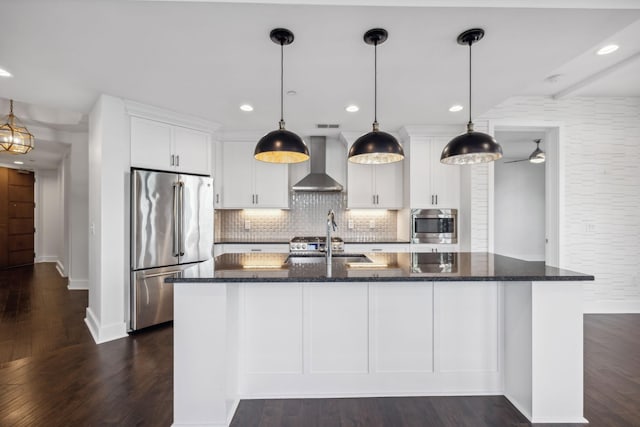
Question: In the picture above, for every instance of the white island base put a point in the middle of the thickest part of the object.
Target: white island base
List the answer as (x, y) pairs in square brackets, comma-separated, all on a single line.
[(237, 341)]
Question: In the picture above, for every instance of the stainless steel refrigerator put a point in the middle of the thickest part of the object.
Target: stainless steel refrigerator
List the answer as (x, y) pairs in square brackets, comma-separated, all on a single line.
[(171, 229)]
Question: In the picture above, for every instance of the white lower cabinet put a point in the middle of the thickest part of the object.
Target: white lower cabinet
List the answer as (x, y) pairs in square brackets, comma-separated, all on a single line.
[(396, 346), (337, 329), (273, 343), (278, 248), (354, 338), (430, 247), (358, 248)]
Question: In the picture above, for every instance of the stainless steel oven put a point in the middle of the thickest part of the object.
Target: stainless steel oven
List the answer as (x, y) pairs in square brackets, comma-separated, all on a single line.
[(434, 226)]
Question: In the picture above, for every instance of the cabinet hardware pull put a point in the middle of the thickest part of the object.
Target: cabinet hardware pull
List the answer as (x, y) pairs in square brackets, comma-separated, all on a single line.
[(172, 160), (253, 199), (432, 199), (256, 250), (436, 199), (257, 200), (377, 199), (373, 197), (178, 160), (217, 198)]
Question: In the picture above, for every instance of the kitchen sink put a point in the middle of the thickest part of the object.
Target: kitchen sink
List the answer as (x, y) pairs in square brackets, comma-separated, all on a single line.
[(320, 258)]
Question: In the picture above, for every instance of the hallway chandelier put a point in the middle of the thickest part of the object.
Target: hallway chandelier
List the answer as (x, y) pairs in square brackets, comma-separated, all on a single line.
[(471, 147), (15, 138)]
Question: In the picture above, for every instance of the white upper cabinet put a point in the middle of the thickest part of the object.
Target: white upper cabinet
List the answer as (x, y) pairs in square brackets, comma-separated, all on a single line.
[(162, 146), (374, 186), (249, 183), (432, 184)]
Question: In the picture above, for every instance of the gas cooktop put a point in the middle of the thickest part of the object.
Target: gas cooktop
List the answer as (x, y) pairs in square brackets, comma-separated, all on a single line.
[(308, 244)]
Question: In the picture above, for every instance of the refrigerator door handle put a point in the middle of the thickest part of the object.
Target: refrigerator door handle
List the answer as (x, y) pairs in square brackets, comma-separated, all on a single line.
[(176, 222), (181, 218)]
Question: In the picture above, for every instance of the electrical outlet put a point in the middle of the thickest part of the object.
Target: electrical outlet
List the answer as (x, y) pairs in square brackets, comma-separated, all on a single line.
[(372, 223), (247, 224), (350, 225)]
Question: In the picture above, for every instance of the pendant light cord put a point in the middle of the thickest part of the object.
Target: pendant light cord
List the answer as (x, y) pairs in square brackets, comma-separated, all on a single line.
[(281, 85), (470, 43), (375, 85)]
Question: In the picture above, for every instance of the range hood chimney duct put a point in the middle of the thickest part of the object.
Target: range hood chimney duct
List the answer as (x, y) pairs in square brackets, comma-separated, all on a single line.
[(317, 180)]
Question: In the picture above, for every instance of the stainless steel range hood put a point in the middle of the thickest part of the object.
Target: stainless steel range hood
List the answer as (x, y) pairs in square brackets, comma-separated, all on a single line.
[(317, 180)]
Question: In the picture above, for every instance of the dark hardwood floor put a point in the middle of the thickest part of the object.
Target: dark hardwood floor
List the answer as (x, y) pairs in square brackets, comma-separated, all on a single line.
[(52, 374)]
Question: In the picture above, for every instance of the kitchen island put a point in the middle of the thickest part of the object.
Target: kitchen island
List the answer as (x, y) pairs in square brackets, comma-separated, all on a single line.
[(385, 324)]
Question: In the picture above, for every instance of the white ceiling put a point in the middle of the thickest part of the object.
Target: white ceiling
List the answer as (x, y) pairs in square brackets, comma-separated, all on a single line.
[(207, 58)]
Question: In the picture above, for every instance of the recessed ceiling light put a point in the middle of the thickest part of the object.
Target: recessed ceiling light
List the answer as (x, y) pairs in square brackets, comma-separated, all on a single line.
[(246, 107), (291, 92), (5, 73), (456, 108), (352, 108), (18, 162), (608, 49)]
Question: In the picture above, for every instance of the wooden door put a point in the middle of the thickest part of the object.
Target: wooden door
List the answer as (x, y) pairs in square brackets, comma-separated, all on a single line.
[(16, 218)]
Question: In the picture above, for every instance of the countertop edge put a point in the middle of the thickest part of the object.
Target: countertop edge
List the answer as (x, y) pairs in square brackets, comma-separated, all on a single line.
[(380, 279)]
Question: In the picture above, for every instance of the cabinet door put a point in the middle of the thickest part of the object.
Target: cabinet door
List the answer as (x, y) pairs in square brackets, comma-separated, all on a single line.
[(237, 175), (360, 186), (271, 183), (192, 150), (388, 185), (445, 179), (150, 144), (420, 175), (216, 163)]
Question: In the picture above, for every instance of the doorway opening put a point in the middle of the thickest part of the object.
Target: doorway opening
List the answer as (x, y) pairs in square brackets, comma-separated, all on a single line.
[(526, 196)]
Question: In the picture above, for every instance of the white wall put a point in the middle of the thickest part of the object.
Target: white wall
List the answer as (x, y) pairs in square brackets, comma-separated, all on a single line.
[(77, 217), (49, 233), (109, 161), (600, 226), (519, 210)]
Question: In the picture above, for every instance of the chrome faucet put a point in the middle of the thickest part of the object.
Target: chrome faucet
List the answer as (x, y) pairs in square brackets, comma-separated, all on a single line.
[(331, 226)]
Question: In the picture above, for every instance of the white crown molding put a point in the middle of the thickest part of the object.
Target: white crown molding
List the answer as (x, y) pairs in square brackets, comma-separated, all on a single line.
[(171, 117), (241, 135)]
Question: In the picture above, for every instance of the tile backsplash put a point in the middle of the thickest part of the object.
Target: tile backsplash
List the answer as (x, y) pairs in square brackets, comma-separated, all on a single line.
[(306, 217)]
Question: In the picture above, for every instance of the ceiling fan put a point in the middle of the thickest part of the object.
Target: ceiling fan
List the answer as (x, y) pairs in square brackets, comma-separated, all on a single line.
[(538, 156)]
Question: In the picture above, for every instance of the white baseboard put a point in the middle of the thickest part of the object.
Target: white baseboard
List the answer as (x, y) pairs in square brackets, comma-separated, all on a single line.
[(47, 258), (60, 268), (611, 307), (102, 334), (78, 284), (519, 406)]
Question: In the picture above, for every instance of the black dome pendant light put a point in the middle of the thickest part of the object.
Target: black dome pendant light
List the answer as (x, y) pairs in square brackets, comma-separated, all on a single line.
[(471, 147), (376, 147), (281, 146)]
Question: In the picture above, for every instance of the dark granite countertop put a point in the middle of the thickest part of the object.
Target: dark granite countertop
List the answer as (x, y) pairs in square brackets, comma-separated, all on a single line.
[(373, 242), (382, 267), (244, 242)]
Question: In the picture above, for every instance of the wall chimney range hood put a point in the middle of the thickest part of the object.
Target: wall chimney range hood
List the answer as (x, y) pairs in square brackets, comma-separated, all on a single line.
[(317, 180)]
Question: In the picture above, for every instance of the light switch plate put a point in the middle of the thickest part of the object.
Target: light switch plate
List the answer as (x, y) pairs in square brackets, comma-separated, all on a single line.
[(372, 223), (350, 225), (247, 224)]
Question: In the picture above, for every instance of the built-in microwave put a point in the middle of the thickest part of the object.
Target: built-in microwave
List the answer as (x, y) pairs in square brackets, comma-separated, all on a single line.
[(434, 226)]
